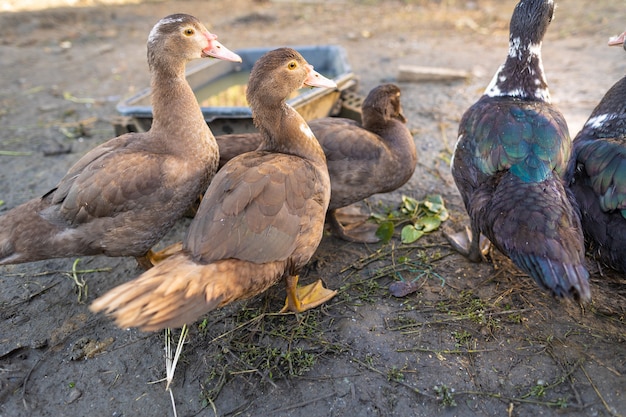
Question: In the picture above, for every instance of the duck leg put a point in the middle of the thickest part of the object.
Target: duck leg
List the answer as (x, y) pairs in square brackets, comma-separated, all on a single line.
[(301, 299), (353, 228), (464, 243), (152, 258), (145, 262)]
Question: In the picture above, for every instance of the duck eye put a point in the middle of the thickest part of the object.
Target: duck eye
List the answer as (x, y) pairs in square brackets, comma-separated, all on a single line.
[(292, 65), (188, 32)]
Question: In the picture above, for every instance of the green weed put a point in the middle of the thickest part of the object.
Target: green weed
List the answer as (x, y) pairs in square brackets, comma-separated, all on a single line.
[(416, 217)]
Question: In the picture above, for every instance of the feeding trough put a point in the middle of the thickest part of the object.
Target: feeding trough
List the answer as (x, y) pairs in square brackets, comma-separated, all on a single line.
[(220, 86)]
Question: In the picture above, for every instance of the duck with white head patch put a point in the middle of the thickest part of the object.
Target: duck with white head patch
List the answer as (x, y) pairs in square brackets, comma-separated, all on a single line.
[(123, 196), (509, 161), (599, 175)]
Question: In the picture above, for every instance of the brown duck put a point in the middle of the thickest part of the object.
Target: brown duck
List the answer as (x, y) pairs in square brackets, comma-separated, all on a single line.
[(377, 156), (124, 195), (260, 220)]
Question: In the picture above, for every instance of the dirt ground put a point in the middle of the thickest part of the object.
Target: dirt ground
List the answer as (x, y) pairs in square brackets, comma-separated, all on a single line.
[(472, 340)]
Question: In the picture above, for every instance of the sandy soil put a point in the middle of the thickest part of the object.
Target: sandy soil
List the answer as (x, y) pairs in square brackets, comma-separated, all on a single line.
[(473, 340)]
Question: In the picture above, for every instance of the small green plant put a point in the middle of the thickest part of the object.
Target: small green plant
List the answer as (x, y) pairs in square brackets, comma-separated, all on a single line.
[(418, 218), (462, 338), (202, 327), (476, 311), (561, 402), (445, 395), (395, 374), (442, 307), (369, 291), (277, 362), (299, 361), (515, 318), (538, 390)]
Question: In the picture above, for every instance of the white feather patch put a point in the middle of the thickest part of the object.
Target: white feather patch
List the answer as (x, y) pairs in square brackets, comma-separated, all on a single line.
[(456, 145), (492, 89), (535, 49), (514, 48), (597, 121), (307, 130), (153, 33)]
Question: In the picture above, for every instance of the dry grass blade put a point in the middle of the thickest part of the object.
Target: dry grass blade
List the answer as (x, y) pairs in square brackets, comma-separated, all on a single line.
[(80, 283), (608, 408), (15, 153), (171, 362)]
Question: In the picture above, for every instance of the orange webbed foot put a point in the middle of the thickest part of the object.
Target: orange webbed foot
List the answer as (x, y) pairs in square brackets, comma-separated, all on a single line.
[(304, 298)]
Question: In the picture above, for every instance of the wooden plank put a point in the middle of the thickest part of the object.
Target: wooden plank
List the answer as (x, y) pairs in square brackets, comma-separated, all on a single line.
[(411, 73)]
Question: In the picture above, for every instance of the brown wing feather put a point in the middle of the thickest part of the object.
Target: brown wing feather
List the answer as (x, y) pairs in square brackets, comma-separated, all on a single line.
[(122, 187), (255, 199), (97, 154), (109, 180)]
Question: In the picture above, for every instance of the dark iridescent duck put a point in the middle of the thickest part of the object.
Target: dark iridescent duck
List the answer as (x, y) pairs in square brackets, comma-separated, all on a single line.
[(510, 158), (260, 220), (124, 195), (599, 179), (377, 156)]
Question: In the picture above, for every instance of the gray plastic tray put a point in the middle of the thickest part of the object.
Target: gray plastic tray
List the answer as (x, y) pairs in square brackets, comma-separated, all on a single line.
[(330, 60)]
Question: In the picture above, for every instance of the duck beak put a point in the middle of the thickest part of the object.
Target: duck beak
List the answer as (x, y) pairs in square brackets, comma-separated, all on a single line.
[(617, 40), (315, 79), (219, 51)]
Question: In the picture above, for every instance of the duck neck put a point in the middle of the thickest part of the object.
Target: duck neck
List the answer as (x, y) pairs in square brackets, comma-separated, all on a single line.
[(394, 135), (400, 141), (176, 111), (285, 131), (522, 74)]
